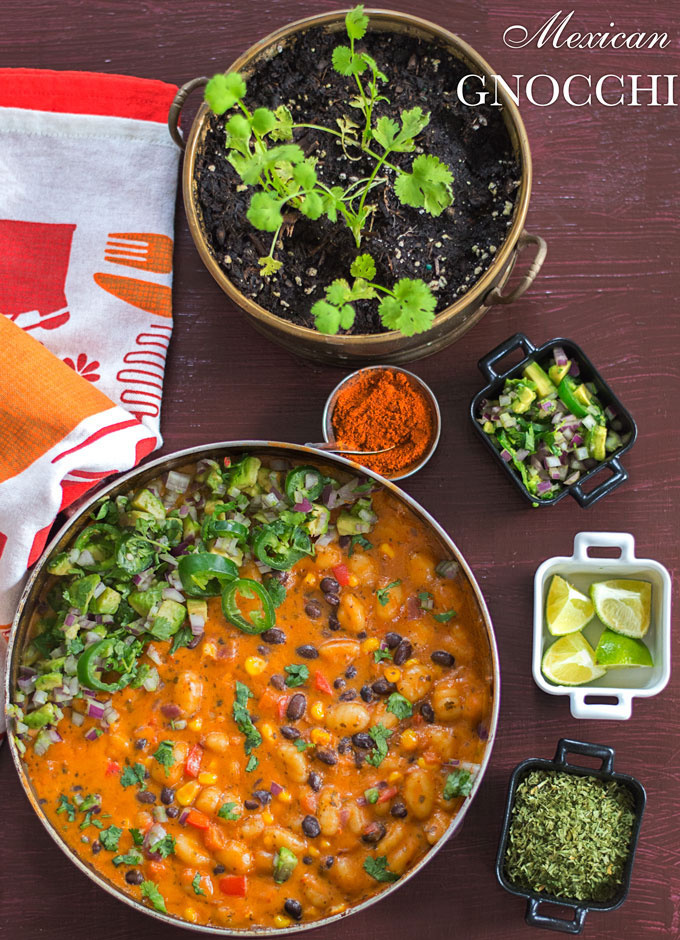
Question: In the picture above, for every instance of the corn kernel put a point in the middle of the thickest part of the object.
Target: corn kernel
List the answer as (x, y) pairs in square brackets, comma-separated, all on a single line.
[(412, 661), (267, 731), (353, 581), (206, 778), (325, 844), (421, 762), (387, 549), (281, 921), (310, 579), (125, 823), (191, 914), (196, 724), (313, 851), (188, 793), (392, 673), (320, 736), (395, 777), (254, 665), (317, 711), (409, 740), (285, 796), (268, 817), (371, 644), (210, 649)]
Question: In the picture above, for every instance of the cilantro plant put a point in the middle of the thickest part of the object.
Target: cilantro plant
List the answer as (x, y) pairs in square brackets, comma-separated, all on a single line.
[(261, 149)]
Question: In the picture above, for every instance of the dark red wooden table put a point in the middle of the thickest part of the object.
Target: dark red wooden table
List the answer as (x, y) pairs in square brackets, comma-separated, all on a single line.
[(606, 199)]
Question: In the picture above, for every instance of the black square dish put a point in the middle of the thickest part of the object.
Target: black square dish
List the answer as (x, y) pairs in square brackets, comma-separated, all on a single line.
[(589, 373), (605, 772)]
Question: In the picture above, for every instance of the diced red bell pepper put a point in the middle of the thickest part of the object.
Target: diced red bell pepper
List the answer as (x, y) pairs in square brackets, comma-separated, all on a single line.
[(235, 885), (282, 705), (387, 794), (322, 684), (341, 573), (227, 461), (193, 764), (113, 767), (197, 820)]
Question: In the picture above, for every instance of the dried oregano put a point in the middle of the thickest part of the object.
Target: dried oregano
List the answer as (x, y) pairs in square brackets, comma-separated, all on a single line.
[(569, 835)]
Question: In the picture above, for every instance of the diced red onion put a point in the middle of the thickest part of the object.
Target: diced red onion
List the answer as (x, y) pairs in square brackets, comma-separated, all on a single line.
[(506, 455), (181, 549), (482, 730), (544, 486), (552, 461), (560, 356), (276, 788), (172, 594), (574, 370), (577, 440), (174, 580), (55, 737), (26, 683), (86, 557), (447, 568), (581, 453), (137, 627), (197, 624), (96, 709), (69, 620), (610, 413), (183, 510), (77, 718), (40, 697), (170, 710), (326, 538), (182, 820), (329, 496), (144, 579), (152, 681), (522, 454), (179, 724), (154, 655), (572, 478), (99, 589), (303, 506), (92, 734), (177, 482)]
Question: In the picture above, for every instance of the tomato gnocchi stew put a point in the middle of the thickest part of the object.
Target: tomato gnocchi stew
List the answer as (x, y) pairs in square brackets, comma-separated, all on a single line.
[(255, 693)]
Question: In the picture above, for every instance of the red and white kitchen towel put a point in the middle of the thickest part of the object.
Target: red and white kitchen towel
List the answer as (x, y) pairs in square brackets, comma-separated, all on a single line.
[(88, 176)]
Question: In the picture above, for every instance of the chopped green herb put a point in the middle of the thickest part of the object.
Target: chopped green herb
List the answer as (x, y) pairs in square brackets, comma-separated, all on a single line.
[(380, 735), (296, 674), (132, 775), (228, 811), (165, 755), (196, 884), (372, 795), (381, 655), (303, 745), (377, 868), (383, 594), (243, 719), (426, 600), (446, 616), (276, 591), (132, 858), (137, 836), (359, 540), (109, 838), (150, 891), (183, 637), (65, 806), (163, 847), (458, 783), (252, 763), (399, 706)]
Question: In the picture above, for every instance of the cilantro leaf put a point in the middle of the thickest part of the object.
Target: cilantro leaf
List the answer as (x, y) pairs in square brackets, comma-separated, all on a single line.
[(150, 891), (458, 783), (243, 720), (269, 265), (183, 637), (163, 847), (385, 132), (363, 266), (252, 763), (165, 755), (377, 868), (284, 124), (65, 806), (109, 838), (276, 591), (427, 186), (302, 745), (296, 674), (359, 540), (329, 318), (239, 132), (132, 775), (196, 884), (137, 836), (132, 858), (380, 735), (372, 795), (228, 811), (347, 62), (383, 594), (446, 616), (380, 656), (264, 212), (312, 206), (356, 22), (263, 121), (304, 174), (410, 309), (223, 91), (399, 706)]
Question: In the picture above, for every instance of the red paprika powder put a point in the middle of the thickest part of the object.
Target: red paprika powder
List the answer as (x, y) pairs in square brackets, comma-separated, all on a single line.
[(379, 408)]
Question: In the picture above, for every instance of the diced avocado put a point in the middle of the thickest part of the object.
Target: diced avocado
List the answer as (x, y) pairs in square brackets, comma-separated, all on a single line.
[(167, 620), (51, 680), (146, 501), (488, 427), (595, 442), (190, 528), (61, 565), (143, 601), (524, 398), (45, 715), (557, 373), (52, 665), (244, 473), (582, 395), (79, 592), (351, 525), (106, 603), (197, 608), (318, 520), (539, 377)]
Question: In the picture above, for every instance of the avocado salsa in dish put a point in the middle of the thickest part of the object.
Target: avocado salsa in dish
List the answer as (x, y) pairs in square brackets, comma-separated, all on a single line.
[(550, 426), (254, 694)]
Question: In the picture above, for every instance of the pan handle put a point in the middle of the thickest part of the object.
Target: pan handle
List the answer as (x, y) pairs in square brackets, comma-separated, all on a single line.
[(177, 105), (567, 746), (619, 476), (534, 919), (495, 296), (486, 363)]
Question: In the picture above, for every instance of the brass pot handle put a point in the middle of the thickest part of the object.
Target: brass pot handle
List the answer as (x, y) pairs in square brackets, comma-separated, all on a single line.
[(177, 105), (495, 296)]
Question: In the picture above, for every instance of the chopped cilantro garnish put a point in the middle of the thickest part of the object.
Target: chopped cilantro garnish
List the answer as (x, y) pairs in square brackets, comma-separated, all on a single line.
[(163, 847), (381, 655), (137, 836), (132, 775), (228, 811), (196, 884), (399, 706), (446, 616), (64, 806), (383, 594), (302, 745), (426, 600), (296, 674), (377, 868), (380, 734), (132, 858), (372, 794), (165, 755), (276, 591), (183, 637), (458, 783), (243, 719), (109, 838), (150, 891), (252, 763), (359, 540)]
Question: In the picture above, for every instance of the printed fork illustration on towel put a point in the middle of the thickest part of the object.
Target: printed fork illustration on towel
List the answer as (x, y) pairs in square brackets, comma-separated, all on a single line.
[(144, 250)]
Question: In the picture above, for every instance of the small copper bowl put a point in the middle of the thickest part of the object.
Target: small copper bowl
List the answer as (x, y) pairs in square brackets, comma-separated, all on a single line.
[(429, 395)]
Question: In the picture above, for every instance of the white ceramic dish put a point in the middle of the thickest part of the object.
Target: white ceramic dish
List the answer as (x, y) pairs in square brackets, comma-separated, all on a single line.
[(581, 570)]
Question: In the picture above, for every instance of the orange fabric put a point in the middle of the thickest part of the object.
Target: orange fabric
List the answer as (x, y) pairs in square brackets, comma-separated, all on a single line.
[(144, 250), (147, 295), (45, 401)]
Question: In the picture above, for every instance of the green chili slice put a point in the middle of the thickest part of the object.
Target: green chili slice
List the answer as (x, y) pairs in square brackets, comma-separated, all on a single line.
[(566, 394), (87, 667), (303, 483), (100, 540), (281, 546), (257, 621), (223, 528), (203, 573), (134, 554)]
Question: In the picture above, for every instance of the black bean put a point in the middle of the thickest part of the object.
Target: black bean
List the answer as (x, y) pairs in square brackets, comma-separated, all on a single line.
[(344, 744), (219, 870), (140, 743), (345, 541), (398, 810), (194, 641), (96, 847), (307, 651), (97, 809), (402, 653), (293, 908), (313, 609), (339, 683), (332, 599), (278, 682), (263, 796), (307, 860), (311, 827), (327, 756), (291, 733), (362, 635), (146, 796), (172, 812), (134, 876), (363, 740), (251, 804), (333, 622), (348, 696), (383, 687), (329, 586), (328, 861), (367, 693), (263, 650), (296, 706), (350, 672), (442, 658), (427, 712), (315, 781), (273, 636), (392, 640), (373, 833), (167, 795)]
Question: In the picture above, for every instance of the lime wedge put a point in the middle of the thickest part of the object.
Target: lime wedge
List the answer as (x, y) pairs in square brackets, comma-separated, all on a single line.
[(571, 661), (615, 650), (566, 609), (623, 606)]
